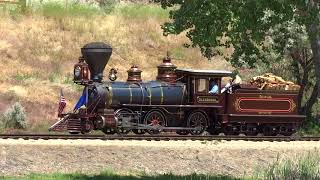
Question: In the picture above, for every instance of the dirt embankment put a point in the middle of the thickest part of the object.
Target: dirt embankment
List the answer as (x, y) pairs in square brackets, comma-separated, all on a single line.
[(37, 55), (236, 158)]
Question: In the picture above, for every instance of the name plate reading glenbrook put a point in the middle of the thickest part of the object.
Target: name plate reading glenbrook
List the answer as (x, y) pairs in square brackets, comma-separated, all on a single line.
[(207, 99)]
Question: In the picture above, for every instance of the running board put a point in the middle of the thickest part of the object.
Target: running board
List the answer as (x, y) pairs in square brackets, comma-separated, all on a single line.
[(147, 127)]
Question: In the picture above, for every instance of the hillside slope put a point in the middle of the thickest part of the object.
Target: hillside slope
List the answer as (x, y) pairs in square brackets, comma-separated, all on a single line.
[(38, 51)]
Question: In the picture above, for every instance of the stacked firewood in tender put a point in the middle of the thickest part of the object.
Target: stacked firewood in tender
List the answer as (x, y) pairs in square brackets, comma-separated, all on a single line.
[(269, 81)]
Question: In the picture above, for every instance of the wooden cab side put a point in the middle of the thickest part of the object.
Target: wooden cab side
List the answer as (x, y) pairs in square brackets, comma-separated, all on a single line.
[(199, 83)]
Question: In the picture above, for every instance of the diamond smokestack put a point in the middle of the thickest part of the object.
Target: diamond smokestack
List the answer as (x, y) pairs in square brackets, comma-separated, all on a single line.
[(97, 55)]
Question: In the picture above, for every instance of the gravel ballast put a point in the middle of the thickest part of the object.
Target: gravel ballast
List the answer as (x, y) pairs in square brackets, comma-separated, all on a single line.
[(20, 157)]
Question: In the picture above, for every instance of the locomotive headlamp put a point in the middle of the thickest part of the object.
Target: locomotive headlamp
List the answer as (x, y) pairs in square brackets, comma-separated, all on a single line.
[(113, 74), (85, 73), (77, 72), (81, 72)]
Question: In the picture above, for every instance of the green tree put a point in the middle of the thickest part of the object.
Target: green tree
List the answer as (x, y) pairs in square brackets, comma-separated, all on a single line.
[(297, 65), (246, 25)]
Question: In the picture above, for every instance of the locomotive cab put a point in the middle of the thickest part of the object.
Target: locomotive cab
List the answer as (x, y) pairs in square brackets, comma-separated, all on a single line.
[(203, 86)]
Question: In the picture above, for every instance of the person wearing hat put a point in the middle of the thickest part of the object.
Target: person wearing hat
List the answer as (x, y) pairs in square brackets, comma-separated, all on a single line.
[(214, 86), (234, 80)]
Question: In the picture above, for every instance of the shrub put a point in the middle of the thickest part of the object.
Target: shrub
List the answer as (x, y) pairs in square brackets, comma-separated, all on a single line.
[(14, 117), (107, 6), (310, 127)]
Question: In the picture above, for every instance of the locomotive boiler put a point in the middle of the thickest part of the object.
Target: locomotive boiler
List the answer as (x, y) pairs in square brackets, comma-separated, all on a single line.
[(179, 100), (115, 94)]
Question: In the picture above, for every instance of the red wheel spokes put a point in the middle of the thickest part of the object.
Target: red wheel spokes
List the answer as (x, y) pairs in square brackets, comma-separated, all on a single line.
[(155, 120)]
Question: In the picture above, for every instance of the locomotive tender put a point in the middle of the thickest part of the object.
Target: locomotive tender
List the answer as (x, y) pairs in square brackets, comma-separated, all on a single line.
[(178, 101)]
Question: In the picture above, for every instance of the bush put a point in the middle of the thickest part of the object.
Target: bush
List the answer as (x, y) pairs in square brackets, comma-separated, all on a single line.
[(311, 126), (14, 117), (107, 6)]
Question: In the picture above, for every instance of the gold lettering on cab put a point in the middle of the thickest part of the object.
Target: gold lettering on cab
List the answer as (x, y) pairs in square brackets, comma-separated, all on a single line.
[(265, 112), (265, 97), (207, 99)]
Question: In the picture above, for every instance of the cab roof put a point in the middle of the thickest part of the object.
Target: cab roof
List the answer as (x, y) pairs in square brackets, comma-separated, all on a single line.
[(200, 72)]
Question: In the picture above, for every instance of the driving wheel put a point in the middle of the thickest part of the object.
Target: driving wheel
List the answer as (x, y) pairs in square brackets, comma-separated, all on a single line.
[(198, 121), (156, 120)]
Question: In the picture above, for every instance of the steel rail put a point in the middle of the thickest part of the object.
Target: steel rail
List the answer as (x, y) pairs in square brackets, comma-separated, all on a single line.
[(159, 137)]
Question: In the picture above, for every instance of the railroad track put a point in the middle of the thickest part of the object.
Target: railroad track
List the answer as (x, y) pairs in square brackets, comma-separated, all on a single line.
[(158, 137)]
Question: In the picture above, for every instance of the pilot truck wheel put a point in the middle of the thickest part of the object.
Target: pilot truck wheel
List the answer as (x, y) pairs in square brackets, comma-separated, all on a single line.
[(123, 117)]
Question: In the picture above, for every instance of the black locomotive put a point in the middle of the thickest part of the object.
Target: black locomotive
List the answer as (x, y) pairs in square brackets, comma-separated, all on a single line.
[(179, 100)]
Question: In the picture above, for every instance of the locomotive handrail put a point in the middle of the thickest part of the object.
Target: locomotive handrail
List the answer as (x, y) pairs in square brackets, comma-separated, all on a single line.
[(142, 100), (182, 106), (61, 121), (96, 104)]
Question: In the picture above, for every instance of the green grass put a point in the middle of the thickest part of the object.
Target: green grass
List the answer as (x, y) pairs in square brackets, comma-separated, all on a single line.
[(303, 167), (178, 53), (54, 9), (310, 127), (108, 175), (142, 11), (22, 77), (57, 9)]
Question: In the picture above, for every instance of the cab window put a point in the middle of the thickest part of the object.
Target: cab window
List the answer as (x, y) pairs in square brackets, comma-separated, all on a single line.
[(202, 85), (214, 87)]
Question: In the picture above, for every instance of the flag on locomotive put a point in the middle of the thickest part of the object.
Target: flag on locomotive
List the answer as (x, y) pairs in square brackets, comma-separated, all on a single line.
[(62, 104)]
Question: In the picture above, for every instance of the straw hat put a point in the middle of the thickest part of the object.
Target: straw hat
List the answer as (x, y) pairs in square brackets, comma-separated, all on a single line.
[(237, 80)]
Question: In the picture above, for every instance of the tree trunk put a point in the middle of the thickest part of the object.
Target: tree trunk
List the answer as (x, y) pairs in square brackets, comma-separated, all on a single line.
[(314, 38), (295, 55), (313, 99)]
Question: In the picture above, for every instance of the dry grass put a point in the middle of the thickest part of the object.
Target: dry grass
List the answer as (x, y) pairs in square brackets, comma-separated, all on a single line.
[(38, 52), (305, 166)]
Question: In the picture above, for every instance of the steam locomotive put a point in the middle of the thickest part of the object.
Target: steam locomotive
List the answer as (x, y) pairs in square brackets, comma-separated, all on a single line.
[(177, 101)]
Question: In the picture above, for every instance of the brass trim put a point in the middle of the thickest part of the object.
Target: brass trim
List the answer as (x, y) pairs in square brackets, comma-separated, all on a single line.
[(237, 104), (208, 99), (183, 91), (292, 105), (161, 100), (265, 97), (150, 96), (130, 90), (110, 95), (269, 112)]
